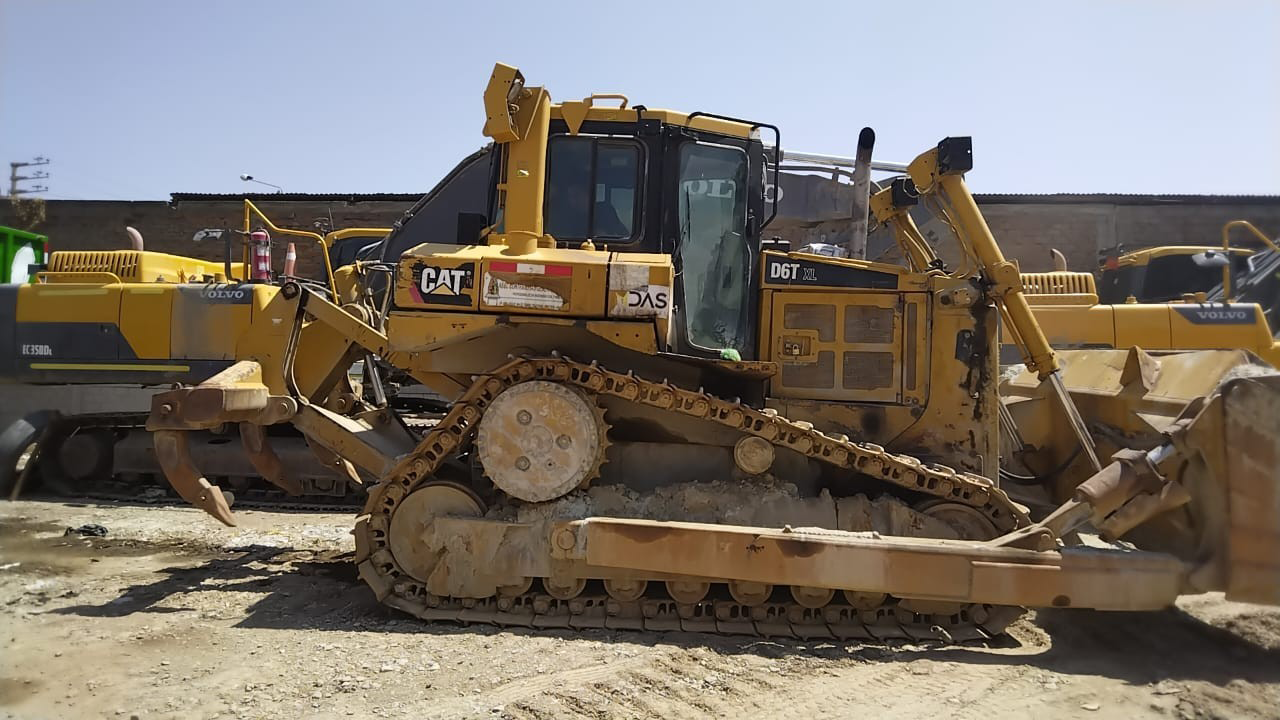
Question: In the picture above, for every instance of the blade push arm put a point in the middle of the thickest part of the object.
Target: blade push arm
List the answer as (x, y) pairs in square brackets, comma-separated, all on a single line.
[(940, 173), (891, 206)]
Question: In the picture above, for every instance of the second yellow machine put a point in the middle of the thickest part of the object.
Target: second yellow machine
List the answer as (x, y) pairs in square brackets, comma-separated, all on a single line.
[(657, 420)]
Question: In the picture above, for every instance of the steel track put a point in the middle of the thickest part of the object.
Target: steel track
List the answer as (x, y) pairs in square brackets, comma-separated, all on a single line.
[(396, 588)]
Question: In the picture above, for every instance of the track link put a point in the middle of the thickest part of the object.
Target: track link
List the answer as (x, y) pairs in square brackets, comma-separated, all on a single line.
[(396, 588)]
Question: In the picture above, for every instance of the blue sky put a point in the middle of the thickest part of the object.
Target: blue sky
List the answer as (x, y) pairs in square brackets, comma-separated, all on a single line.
[(136, 99)]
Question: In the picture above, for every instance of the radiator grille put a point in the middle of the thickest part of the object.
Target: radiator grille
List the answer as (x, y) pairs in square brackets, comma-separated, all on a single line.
[(123, 263), (867, 370), (1059, 283), (802, 316), (868, 324), (820, 374)]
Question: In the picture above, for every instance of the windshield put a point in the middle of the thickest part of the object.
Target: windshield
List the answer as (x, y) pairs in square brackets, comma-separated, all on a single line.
[(714, 257)]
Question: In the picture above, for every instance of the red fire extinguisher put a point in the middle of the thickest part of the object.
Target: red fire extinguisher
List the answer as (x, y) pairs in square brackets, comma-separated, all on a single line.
[(260, 247)]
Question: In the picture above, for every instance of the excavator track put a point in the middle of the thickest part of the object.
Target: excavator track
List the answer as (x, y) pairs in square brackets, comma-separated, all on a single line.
[(703, 605)]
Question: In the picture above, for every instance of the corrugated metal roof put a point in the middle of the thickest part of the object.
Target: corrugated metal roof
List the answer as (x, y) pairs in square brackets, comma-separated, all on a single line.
[(294, 197), (986, 198), (1122, 199)]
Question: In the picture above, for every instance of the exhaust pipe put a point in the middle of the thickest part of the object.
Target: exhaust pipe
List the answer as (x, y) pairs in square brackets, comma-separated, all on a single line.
[(135, 237), (861, 194)]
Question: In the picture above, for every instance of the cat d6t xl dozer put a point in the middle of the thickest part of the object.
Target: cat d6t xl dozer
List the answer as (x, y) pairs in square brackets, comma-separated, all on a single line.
[(659, 421)]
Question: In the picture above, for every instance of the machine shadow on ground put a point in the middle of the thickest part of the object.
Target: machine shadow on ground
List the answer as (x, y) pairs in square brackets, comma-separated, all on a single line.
[(1138, 647), (307, 590)]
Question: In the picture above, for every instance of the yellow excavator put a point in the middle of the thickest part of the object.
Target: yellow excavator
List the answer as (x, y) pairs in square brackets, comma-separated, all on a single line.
[(1166, 298), (655, 419)]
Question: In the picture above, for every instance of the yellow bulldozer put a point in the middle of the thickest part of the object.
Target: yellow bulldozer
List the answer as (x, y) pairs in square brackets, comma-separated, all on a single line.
[(656, 419)]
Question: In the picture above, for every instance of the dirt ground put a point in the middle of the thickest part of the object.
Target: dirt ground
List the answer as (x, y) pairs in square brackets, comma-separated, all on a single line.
[(173, 616)]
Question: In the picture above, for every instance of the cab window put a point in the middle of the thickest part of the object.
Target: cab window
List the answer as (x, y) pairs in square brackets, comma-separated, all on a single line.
[(592, 189), (715, 260)]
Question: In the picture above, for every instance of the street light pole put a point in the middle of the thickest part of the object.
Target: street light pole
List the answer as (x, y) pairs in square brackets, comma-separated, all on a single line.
[(249, 178)]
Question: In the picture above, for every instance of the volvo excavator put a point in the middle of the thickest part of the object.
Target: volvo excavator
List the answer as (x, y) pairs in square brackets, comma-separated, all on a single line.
[(1166, 298), (655, 418)]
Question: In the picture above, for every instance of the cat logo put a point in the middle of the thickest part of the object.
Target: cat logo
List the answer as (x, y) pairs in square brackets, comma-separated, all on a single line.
[(445, 285)]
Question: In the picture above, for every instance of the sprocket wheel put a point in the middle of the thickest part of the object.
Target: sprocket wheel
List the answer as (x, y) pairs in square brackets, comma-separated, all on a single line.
[(540, 440)]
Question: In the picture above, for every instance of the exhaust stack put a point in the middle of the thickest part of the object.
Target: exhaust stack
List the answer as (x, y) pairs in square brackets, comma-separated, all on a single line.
[(861, 193)]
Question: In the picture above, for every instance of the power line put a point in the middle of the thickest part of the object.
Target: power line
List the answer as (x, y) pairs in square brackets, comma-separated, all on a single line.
[(15, 178)]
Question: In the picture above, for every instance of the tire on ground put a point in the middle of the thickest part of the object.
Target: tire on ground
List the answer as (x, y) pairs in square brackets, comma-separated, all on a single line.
[(15, 441), (73, 458)]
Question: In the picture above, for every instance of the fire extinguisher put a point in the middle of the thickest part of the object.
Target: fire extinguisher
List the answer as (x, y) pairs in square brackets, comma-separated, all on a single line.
[(260, 250)]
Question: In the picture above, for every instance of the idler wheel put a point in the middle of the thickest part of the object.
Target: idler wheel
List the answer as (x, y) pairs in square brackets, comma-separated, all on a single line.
[(539, 439), (969, 524), (415, 545)]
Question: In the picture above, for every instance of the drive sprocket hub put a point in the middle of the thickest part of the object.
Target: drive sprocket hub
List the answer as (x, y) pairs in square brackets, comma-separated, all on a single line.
[(539, 440)]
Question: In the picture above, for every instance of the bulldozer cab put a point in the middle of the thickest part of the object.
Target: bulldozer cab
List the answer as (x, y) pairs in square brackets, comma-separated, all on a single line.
[(638, 184)]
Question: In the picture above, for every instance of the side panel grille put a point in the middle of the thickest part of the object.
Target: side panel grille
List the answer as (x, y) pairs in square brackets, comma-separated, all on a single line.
[(123, 263), (1059, 283), (817, 375), (868, 370), (868, 324)]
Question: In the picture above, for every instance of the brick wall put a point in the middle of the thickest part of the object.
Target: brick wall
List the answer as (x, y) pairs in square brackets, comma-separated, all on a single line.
[(100, 224), (1026, 229)]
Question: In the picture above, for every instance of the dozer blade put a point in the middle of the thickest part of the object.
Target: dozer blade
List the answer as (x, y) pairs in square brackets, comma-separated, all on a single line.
[(174, 455), (1251, 444)]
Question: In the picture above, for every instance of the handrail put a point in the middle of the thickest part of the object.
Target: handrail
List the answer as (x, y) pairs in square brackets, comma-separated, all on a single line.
[(250, 210), (1226, 249)]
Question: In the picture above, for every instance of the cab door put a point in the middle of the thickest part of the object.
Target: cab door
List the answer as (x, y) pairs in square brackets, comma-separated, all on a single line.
[(716, 249)]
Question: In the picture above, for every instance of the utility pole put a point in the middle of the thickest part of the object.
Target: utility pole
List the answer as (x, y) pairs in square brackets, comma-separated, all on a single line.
[(15, 178)]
